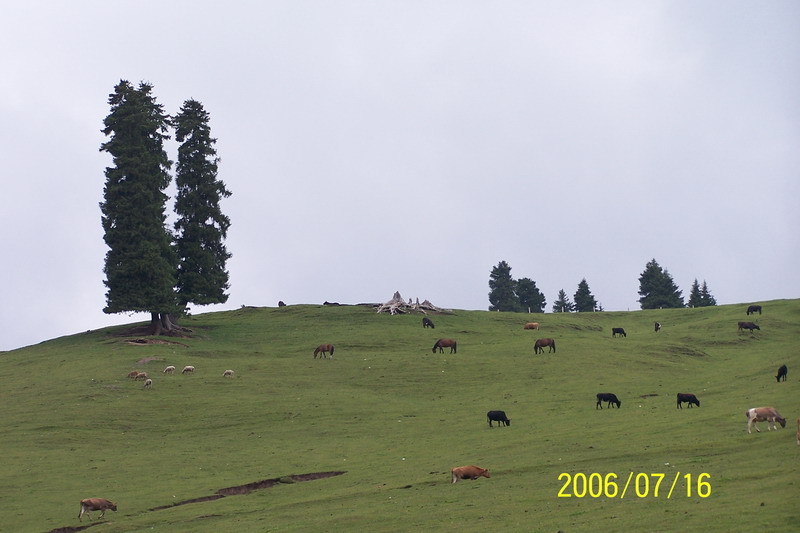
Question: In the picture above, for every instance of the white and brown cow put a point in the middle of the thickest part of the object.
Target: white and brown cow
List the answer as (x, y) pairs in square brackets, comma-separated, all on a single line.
[(468, 472), (96, 504), (761, 414)]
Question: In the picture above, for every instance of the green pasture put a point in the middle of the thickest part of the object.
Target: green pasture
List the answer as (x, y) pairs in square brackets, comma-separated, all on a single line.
[(395, 418)]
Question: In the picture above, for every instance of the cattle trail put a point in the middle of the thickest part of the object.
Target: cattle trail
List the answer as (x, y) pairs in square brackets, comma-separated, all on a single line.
[(221, 493), (250, 487)]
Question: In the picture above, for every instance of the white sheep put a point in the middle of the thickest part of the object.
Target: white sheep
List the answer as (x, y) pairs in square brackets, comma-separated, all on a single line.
[(169, 370), (228, 374), (188, 369), (148, 383)]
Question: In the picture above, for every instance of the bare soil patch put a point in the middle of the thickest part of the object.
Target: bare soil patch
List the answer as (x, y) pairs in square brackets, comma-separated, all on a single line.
[(150, 342), (250, 487)]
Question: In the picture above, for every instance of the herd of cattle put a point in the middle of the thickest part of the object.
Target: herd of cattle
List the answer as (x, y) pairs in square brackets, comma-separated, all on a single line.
[(754, 415)]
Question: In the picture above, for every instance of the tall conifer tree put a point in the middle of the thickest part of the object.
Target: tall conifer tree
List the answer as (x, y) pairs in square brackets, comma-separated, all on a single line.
[(201, 226), (562, 303), (502, 296), (140, 263), (657, 289), (529, 297), (584, 300)]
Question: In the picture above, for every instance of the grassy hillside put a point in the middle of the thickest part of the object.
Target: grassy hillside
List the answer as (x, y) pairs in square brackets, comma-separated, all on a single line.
[(395, 418)]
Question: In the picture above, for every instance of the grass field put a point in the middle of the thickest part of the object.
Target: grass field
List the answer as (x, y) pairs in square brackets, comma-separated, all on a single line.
[(395, 418)]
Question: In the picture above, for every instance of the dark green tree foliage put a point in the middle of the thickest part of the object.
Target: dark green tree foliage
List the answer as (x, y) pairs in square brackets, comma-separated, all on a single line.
[(700, 295), (529, 298), (201, 226), (656, 288), (502, 295), (140, 263), (584, 301), (562, 303)]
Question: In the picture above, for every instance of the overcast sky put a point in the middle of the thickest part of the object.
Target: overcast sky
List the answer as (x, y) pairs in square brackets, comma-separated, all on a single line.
[(381, 146)]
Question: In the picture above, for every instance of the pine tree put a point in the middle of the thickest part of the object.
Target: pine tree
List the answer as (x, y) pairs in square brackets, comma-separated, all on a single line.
[(705, 296), (695, 298), (140, 264), (657, 289), (584, 301), (562, 303), (201, 226), (502, 286), (529, 297), (694, 295)]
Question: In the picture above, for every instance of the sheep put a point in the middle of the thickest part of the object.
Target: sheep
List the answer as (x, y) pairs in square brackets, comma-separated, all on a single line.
[(188, 369), (141, 376), (132, 374), (148, 383), (228, 374), (170, 369)]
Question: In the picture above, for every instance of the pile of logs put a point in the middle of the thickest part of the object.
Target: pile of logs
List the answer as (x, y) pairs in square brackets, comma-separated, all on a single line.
[(399, 306)]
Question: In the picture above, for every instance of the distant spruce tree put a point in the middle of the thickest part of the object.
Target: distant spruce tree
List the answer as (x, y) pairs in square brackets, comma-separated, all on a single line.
[(700, 295), (657, 289), (140, 264), (584, 301), (528, 296), (502, 295), (706, 297), (201, 226), (562, 303)]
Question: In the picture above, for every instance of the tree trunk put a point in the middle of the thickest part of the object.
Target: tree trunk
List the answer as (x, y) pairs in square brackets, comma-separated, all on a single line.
[(155, 324)]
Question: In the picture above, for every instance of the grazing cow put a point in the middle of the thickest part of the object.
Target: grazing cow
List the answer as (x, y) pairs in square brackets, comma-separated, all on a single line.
[(798, 431), (748, 325), (499, 417), (169, 370), (322, 350), (657, 326), (133, 373), (468, 472), (428, 323), (188, 369), (761, 414), (532, 325), (782, 371), (148, 384), (607, 397), (445, 343), (618, 331), (228, 374), (538, 346), (691, 399), (96, 504), (281, 304), (753, 309)]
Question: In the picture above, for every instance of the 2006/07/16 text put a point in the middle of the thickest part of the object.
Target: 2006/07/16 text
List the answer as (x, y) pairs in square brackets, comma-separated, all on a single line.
[(642, 485)]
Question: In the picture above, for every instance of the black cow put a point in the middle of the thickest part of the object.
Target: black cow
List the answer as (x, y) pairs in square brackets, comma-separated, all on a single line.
[(782, 371), (618, 331), (608, 398), (752, 310), (691, 399), (657, 326), (428, 323), (499, 417), (748, 325)]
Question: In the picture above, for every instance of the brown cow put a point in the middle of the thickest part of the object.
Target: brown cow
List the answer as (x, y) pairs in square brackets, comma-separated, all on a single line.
[(761, 414), (141, 376), (468, 472), (531, 325), (96, 504), (748, 325)]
